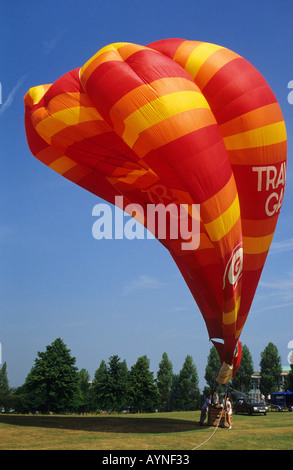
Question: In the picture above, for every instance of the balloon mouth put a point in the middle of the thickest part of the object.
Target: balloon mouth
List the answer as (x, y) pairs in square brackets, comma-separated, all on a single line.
[(225, 373), (228, 371)]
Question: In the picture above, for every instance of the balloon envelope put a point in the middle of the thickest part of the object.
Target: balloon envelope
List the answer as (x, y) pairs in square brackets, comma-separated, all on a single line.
[(177, 122)]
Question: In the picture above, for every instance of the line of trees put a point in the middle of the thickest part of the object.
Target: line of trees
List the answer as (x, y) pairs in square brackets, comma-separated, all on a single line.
[(54, 383)]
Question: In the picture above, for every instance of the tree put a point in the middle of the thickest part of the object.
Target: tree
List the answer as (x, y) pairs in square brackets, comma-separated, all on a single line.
[(271, 368), (4, 389), (100, 384), (188, 391), (84, 391), (143, 392), (242, 380), (117, 383), (164, 382), (53, 380), (174, 394), (212, 367), (110, 386)]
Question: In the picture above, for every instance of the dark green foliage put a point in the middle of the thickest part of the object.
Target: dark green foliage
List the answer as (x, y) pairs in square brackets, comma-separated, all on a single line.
[(270, 367), (212, 368), (110, 385), (164, 383), (143, 393), (53, 381), (188, 392), (55, 385), (242, 381), (4, 389)]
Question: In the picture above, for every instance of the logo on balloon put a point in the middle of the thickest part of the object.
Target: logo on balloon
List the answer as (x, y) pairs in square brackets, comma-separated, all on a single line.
[(234, 267)]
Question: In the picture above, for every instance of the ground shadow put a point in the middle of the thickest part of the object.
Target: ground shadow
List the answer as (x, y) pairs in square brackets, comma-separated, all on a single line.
[(103, 423)]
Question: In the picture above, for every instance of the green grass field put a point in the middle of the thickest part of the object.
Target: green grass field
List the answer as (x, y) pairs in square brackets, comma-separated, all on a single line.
[(160, 431)]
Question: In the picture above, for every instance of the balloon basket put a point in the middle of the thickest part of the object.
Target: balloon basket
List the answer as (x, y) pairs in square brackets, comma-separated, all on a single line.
[(214, 414)]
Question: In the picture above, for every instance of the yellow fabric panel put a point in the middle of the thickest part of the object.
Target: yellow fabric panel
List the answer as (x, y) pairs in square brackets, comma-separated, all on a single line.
[(158, 110), (230, 317), (198, 57), (213, 64), (172, 128), (144, 94), (66, 117), (254, 119), (219, 227), (108, 48), (35, 94), (266, 135)]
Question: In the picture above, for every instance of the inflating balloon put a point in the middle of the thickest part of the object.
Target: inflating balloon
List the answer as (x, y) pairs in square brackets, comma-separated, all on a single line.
[(183, 122)]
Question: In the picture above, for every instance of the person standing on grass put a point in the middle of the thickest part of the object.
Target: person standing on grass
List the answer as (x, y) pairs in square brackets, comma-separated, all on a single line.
[(204, 410), (229, 412)]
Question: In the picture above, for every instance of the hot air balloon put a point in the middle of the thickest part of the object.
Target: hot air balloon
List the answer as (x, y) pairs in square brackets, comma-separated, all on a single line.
[(177, 122)]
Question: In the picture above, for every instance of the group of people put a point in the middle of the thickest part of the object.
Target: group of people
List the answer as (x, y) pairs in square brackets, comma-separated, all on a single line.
[(212, 399)]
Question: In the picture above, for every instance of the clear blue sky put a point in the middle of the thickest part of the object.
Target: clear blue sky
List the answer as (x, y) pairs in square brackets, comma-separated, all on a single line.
[(118, 296)]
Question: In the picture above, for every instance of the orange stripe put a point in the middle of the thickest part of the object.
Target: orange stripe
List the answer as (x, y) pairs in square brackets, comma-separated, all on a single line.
[(214, 63), (184, 51), (62, 165), (171, 129), (60, 102), (257, 118), (142, 95), (128, 49), (205, 243), (114, 52), (68, 100), (88, 69), (256, 245), (210, 208), (38, 115), (273, 153)]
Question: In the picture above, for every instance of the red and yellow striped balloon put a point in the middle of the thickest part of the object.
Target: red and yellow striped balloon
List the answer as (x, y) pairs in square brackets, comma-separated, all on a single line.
[(183, 122)]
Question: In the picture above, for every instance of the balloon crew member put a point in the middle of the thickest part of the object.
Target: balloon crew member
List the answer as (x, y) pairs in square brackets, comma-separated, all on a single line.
[(229, 412), (204, 410)]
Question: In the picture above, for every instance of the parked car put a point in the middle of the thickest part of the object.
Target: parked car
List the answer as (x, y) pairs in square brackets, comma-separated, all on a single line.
[(250, 406)]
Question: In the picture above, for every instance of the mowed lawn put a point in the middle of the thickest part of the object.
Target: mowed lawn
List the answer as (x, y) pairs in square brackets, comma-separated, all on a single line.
[(158, 431)]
